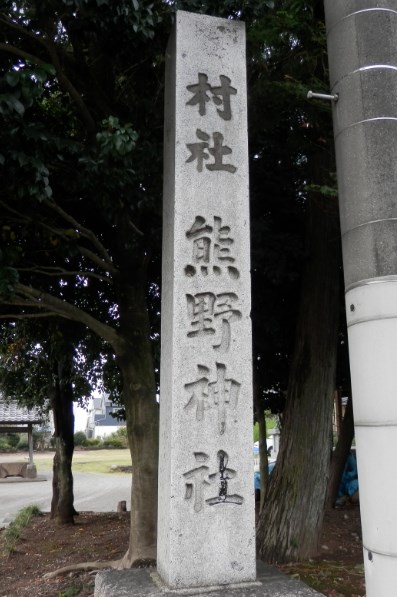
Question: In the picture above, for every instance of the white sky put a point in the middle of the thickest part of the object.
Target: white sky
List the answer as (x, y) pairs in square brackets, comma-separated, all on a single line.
[(80, 418)]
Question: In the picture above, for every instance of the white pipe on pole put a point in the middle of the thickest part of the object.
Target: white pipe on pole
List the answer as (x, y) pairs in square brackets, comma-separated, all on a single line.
[(362, 49)]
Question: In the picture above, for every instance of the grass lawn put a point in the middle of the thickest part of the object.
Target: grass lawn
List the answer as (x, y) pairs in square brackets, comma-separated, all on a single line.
[(87, 461)]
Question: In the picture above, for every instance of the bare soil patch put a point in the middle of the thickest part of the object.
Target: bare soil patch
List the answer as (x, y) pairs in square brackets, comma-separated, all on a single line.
[(46, 546), (337, 571)]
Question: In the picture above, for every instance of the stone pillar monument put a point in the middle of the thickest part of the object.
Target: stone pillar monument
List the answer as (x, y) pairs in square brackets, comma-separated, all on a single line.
[(206, 532), (206, 513), (363, 72)]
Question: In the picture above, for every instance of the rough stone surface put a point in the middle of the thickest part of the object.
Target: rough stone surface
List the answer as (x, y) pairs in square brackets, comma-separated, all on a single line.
[(14, 469), (31, 471), (145, 583), (206, 493)]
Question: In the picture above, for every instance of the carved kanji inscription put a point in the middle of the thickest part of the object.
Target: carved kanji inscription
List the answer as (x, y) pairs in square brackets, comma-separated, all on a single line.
[(213, 391), (212, 249), (211, 314)]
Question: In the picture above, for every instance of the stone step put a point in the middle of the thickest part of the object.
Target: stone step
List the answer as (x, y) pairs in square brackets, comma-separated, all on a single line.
[(146, 583)]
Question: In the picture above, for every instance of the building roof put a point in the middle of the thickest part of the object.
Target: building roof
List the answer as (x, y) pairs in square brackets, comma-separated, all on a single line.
[(11, 412), (106, 420)]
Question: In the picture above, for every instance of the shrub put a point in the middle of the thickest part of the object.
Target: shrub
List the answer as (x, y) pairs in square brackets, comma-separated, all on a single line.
[(70, 592), (13, 532), (13, 439), (5, 446), (122, 432), (23, 443), (92, 442), (114, 442), (118, 439), (79, 438)]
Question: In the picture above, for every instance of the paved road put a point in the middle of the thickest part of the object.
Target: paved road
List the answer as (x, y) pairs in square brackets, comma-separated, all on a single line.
[(98, 493)]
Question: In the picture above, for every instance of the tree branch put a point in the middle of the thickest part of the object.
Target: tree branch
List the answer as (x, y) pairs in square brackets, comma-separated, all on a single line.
[(14, 25), (62, 78), (21, 217), (105, 264), (27, 315), (134, 227), (19, 302), (22, 54), (107, 267), (44, 300), (86, 232), (70, 88), (59, 271)]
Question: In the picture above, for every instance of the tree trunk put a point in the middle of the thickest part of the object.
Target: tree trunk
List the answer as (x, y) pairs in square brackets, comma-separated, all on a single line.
[(139, 392), (340, 454), (291, 518), (62, 504), (55, 481)]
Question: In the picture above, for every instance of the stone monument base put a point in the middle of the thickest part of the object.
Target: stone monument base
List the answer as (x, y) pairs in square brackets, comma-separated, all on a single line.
[(17, 469), (146, 583)]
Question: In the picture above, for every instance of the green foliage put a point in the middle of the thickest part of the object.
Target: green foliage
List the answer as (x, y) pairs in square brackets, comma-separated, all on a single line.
[(247, 10), (115, 139), (82, 191), (29, 352), (20, 88), (23, 443), (113, 442), (70, 592), (5, 446), (79, 438), (89, 142), (8, 279), (288, 133), (136, 15), (271, 423), (83, 164), (12, 439), (92, 442), (118, 439), (113, 152), (325, 190), (13, 532)]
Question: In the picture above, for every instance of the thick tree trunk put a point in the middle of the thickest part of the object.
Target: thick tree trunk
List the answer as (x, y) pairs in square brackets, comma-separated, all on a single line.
[(62, 504), (291, 517), (55, 482), (340, 454), (62, 508), (139, 392)]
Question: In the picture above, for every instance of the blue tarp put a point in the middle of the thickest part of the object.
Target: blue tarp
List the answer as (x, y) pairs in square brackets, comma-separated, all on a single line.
[(349, 483), (257, 475)]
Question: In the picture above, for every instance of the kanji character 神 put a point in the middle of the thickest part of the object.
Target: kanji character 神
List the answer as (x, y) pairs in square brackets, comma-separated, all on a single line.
[(220, 394)]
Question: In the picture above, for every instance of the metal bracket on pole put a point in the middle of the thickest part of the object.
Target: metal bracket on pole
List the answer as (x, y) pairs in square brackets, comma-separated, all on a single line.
[(323, 96)]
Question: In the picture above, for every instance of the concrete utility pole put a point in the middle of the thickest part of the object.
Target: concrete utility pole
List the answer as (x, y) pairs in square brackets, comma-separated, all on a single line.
[(362, 47)]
